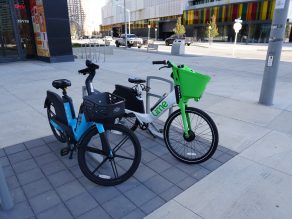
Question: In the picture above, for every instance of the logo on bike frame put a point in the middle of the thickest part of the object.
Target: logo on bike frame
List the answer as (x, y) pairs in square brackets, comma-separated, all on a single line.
[(160, 108)]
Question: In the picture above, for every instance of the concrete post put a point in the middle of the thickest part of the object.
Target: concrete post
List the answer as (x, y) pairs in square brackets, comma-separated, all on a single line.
[(125, 18), (129, 21), (5, 196), (148, 38), (274, 52)]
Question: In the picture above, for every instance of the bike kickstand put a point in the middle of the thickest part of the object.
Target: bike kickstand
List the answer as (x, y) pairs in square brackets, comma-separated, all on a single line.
[(71, 152), (154, 136)]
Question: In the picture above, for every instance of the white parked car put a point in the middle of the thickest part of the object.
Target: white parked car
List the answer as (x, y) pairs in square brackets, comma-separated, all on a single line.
[(108, 38), (132, 40)]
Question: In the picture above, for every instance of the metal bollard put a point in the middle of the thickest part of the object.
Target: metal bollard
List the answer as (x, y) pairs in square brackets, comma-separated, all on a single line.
[(5, 196), (82, 57), (80, 52), (95, 51), (98, 51), (104, 48), (86, 55), (90, 55)]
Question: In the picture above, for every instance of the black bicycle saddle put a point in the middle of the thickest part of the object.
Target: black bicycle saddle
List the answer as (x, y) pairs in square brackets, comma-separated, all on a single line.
[(61, 83)]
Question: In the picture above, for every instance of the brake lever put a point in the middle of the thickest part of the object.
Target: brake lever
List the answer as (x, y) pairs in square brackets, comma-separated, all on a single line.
[(83, 71), (163, 67)]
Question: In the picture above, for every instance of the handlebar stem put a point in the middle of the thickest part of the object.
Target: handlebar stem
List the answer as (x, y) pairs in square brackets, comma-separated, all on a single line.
[(88, 83)]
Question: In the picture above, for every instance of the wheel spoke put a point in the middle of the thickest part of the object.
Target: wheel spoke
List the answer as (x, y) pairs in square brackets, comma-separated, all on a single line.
[(119, 145), (95, 150), (99, 165), (121, 156), (114, 167)]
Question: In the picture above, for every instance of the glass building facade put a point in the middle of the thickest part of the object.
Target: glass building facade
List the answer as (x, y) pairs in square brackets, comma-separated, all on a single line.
[(33, 29), (257, 18), (256, 15)]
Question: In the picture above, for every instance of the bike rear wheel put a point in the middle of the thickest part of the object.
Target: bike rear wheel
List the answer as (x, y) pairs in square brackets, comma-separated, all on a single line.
[(51, 113), (202, 141), (130, 121), (102, 168)]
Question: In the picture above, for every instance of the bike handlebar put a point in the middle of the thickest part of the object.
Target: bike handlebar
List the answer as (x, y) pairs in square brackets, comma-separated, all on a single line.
[(91, 65), (84, 71), (90, 70), (164, 62)]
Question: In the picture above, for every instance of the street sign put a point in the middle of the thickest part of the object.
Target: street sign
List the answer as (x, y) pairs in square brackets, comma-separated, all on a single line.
[(238, 21), (237, 27), (270, 61)]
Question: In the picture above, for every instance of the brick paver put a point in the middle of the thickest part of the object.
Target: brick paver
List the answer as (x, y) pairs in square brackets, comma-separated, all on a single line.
[(45, 185)]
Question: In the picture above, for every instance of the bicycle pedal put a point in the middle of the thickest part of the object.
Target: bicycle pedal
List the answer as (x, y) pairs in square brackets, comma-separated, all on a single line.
[(65, 151)]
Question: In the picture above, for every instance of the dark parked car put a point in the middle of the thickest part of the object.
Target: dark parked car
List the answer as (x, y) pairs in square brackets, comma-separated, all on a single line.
[(169, 40)]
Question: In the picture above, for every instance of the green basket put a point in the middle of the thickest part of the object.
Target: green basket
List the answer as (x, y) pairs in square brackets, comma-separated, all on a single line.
[(192, 84)]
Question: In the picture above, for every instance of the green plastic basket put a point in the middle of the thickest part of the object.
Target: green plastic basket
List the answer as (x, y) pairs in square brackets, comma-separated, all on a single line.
[(193, 84)]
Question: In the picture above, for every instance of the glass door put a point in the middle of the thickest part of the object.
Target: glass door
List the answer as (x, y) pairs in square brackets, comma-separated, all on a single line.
[(8, 43), (24, 26)]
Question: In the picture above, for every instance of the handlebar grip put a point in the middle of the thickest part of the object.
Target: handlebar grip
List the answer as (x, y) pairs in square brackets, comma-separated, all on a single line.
[(91, 65), (84, 71), (164, 62)]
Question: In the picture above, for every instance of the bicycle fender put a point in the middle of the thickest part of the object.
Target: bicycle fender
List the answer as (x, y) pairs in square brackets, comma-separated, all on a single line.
[(46, 103), (84, 134)]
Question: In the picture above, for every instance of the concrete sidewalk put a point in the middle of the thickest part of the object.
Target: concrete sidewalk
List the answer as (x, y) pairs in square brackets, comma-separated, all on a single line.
[(242, 51), (254, 184)]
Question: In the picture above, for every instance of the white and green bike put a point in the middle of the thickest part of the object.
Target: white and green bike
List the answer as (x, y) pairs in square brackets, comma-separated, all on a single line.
[(189, 133)]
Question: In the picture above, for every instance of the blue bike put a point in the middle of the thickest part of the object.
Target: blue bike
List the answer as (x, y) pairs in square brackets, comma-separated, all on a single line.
[(108, 153)]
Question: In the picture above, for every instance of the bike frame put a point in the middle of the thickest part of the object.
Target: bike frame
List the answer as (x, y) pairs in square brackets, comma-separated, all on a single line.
[(169, 101), (78, 125), (162, 107)]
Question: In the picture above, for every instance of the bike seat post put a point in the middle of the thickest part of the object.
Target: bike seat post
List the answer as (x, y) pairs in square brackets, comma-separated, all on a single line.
[(64, 92)]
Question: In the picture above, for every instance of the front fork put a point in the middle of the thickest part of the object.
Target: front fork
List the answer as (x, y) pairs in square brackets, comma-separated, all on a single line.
[(185, 117), (104, 140)]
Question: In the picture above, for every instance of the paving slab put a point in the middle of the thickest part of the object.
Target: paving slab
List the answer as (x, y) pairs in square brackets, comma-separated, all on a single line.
[(81, 204), (236, 134), (52, 184), (252, 113), (172, 210), (282, 123), (274, 151), (59, 211), (20, 211), (248, 193)]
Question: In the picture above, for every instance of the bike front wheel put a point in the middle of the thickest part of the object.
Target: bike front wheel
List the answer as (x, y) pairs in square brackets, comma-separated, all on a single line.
[(199, 145), (116, 167)]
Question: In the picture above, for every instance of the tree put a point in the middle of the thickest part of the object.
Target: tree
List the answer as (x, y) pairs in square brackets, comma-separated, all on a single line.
[(287, 30), (74, 30), (212, 29), (179, 28)]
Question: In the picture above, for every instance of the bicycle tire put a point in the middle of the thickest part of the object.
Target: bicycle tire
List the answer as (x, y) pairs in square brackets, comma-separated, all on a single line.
[(130, 122), (188, 157), (58, 135), (101, 178)]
